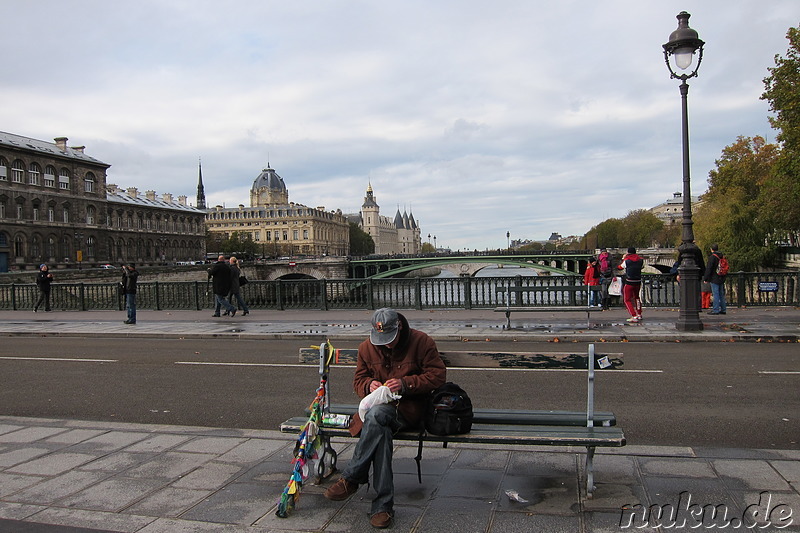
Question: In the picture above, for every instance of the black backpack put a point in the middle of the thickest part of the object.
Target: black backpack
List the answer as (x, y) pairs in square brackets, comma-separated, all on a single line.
[(449, 411)]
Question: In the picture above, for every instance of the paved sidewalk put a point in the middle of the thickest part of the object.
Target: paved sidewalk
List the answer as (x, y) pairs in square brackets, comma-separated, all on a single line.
[(764, 324), (171, 479), (64, 476)]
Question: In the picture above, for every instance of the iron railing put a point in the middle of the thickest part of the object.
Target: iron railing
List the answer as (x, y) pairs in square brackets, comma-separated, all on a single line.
[(742, 289)]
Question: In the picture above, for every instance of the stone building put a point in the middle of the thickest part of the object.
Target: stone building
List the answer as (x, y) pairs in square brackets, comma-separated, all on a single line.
[(279, 226), (398, 235), (671, 211), (56, 208)]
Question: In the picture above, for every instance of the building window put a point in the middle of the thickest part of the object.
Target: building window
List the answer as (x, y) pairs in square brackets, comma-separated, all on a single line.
[(35, 213), (63, 179), (36, 248), (65, 214), (51, 215), (88, 182), (3, 209), (19, 211), (3, 169), (295, 235), (90, 245), (268, 235), (51, 247), (305, 234), (19, 246), (50, 176), (90, 215), (17, 171), (34, 174)]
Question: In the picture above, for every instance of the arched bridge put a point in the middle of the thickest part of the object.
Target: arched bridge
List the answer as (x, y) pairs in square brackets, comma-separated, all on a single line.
[(572, 262)]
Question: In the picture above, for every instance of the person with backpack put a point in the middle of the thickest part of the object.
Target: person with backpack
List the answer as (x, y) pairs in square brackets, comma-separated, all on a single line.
[(716, 270), (408, 362), (633, 264)]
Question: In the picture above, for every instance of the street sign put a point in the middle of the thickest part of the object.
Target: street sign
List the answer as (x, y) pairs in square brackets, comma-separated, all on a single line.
[(292, 263), (767, 286)]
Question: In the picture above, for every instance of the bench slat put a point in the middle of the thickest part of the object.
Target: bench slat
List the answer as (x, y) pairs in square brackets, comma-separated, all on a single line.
[(517, 417), (500, 434), (472, 359)]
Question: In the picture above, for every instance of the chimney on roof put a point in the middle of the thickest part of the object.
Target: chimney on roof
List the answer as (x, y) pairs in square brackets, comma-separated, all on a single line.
[(182, 199), (79, 148), (61, 143), (168, 197), (112, 188), (133, 192), (150, 195)]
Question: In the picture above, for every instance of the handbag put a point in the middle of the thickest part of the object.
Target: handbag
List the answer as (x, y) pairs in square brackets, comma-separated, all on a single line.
[(243, 280)]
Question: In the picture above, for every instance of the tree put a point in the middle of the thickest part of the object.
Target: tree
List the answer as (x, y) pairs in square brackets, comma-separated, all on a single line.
[(360, 241), (732, 214), (781, 195)]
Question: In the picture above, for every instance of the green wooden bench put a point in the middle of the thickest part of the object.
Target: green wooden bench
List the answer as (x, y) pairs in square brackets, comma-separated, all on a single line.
[(587, 428), (545, 299)]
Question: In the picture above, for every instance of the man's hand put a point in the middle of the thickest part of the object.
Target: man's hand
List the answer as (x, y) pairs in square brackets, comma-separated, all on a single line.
[(374, 385), (394, 384)]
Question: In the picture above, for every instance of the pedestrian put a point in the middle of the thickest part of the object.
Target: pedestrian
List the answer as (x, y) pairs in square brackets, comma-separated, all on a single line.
[(406, 361), (235, 287), (220, 276), (705, 287), (591, 277), (632, 284), (716, 280), (129, 278), (43, 280), (606, 277)]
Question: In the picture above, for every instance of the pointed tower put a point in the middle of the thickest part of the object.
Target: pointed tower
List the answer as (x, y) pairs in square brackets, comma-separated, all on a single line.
[(201, 193), (370, 218)]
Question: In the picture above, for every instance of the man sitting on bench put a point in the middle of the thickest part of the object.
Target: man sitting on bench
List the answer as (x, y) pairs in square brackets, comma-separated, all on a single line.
[(407, 361)]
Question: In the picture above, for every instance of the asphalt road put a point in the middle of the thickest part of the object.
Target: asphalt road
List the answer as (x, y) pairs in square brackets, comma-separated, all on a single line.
[(742, 395)]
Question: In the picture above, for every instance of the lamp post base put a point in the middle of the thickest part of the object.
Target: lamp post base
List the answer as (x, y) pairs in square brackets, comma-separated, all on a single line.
[(689, 316)]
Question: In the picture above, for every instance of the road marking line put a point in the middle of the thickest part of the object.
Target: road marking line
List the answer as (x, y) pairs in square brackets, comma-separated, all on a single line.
[(62, 359), (306, 365), (790, 372)]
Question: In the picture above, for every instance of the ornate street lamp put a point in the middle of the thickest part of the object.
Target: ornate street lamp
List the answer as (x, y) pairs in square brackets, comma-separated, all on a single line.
[(682, 46)]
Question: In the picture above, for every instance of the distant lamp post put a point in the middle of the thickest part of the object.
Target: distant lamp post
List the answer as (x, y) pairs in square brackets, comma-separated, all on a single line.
[(682, 45), (434, 243), (508, 240)]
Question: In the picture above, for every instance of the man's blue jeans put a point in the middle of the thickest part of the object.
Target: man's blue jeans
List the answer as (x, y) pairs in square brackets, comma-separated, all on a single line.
[(222, 301), (718, 294), (130, 305), (374, 449)]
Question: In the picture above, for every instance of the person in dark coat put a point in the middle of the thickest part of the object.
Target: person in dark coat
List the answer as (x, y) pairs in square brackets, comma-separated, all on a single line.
[(130, 276), (407, 361), (717, 281), (236, 289), (220, 276), (43, 280)]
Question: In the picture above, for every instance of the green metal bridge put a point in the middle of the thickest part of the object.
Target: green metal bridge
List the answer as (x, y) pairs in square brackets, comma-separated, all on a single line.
[(467, 265)]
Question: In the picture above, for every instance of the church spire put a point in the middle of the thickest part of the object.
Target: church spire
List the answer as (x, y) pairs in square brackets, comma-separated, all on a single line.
[(201, 193)]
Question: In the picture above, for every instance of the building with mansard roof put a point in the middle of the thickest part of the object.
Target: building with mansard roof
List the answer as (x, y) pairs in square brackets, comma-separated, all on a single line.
[(57, 208), (279, 226)]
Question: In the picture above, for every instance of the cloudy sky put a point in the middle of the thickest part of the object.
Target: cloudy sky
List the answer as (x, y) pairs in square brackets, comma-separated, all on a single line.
[(477, 117)]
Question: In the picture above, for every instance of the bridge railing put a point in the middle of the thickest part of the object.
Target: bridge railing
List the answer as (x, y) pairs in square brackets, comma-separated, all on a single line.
[(742, 289)]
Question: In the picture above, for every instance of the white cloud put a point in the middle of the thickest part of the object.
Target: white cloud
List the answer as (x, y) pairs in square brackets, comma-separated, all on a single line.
[(479, 118)]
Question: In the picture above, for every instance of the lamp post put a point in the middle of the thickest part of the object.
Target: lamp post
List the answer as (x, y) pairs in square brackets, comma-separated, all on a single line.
[(508, 240), (434, 244), (682, 45)]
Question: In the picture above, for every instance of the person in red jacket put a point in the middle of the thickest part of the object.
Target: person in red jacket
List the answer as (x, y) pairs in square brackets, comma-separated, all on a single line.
[(407, 361), (591, 277)]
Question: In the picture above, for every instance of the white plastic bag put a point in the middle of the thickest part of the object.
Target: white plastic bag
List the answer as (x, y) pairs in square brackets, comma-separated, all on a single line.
[(380, 395), (615, 288)]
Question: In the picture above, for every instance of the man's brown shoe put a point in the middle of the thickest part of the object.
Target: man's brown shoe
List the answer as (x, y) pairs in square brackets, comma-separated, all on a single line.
[(381, 520), (341, 490)]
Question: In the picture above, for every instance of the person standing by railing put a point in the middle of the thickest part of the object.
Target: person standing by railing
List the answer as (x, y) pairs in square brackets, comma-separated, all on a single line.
[(236, 286), (130, 277), (631, 290), (220, 276), (591, 277), (43, 280)]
